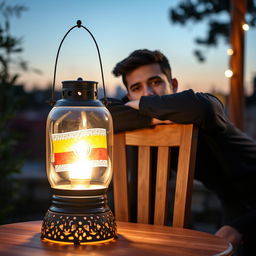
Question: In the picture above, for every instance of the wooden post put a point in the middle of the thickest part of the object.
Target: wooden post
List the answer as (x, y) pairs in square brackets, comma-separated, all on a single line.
[(236, 98)]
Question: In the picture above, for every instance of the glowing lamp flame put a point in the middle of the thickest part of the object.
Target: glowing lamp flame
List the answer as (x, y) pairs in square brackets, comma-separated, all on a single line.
[(82, 168)]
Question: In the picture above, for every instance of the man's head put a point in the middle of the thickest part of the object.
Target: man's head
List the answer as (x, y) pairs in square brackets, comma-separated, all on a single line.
[(146, 72)]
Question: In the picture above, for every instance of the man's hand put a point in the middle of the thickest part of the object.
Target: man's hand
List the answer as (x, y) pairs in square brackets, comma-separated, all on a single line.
[(133, 104), (230, 234), (157, 121)]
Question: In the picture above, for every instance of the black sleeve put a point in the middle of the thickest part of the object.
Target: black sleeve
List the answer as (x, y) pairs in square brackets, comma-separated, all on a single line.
[(246, 224), (201, 109), (126, 118)]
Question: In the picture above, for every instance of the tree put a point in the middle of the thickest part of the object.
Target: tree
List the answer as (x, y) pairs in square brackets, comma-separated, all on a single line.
[(217, 15), (10, 161)]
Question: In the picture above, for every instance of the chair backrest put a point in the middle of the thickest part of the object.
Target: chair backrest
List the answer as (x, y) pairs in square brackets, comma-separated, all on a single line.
[(163, 137)]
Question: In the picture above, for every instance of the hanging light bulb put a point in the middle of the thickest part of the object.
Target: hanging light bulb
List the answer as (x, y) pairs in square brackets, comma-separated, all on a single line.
[(245, 27), (230, 51), (228, 73)]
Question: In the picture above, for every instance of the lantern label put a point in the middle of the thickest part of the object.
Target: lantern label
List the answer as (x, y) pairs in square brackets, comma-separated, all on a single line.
[(86, 147)]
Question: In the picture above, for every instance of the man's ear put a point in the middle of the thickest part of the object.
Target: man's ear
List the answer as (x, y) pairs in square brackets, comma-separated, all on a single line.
[(174, 85)]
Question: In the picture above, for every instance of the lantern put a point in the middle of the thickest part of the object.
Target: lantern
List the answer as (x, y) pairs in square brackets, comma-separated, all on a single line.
[(79, 141)]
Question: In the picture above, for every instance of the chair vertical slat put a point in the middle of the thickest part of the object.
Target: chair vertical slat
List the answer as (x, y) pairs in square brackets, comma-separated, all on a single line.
[(143, 212), (185, 175), (162, 178), (121, 202)]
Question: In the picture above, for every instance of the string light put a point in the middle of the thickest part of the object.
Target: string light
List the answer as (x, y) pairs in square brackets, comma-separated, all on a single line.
[(245, 27), (228, 73), (230, 51)]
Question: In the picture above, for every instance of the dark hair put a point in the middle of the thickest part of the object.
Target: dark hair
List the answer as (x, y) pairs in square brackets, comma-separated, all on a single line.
[(140, 58)]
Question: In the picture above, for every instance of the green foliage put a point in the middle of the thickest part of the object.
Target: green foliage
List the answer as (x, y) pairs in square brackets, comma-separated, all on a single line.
[(217, 15), (10, 161)]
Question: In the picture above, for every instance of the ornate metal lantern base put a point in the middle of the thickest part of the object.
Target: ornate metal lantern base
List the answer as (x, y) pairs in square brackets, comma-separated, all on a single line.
[(79, 219)]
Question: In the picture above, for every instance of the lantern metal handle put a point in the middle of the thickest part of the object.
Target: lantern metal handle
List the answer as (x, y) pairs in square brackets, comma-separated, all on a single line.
[(52, 101)]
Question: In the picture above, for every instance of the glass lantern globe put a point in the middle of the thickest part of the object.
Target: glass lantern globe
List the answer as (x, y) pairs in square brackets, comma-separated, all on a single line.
[(79, 146)]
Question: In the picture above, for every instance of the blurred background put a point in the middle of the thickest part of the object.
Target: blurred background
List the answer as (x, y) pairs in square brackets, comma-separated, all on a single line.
[(194, 35)]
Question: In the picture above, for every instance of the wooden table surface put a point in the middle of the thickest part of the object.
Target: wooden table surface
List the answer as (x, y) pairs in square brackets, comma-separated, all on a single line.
[(23, 239)]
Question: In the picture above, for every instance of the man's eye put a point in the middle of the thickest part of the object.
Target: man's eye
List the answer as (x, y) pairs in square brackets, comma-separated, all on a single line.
[(156, 82), (135, 88)]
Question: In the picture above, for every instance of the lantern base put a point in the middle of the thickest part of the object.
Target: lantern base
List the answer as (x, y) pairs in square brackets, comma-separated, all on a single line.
[(79, 217), (75, 229)]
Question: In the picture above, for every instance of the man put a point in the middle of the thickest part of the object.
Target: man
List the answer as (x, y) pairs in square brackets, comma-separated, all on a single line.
[(226, 157)]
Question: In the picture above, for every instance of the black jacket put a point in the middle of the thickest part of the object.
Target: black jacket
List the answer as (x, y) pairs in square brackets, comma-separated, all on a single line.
[(226, 157)]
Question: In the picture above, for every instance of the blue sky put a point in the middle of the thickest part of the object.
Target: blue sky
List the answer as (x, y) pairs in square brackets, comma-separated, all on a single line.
[(119, 28)]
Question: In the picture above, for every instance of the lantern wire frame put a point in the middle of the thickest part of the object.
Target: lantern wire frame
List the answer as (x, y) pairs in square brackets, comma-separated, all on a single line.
[(52, 100)]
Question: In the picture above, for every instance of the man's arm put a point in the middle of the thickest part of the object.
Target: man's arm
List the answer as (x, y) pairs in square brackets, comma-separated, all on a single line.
[(135, 105), (201, 109), (126, 118), (185, 107)]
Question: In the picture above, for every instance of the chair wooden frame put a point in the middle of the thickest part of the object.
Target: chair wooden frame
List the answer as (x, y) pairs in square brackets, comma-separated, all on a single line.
[(183, 136)]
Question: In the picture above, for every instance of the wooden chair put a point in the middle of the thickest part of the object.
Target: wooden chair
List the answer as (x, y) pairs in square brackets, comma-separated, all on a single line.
[(163, 137)]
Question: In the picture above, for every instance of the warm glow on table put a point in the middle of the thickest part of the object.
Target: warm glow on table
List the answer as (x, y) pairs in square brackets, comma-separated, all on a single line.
[(134, 239)]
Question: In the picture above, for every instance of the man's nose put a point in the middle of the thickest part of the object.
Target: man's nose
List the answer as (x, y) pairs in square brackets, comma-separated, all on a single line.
[(148, 91)]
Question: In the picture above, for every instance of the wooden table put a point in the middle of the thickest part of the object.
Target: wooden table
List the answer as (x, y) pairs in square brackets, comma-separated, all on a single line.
[(23, 239)]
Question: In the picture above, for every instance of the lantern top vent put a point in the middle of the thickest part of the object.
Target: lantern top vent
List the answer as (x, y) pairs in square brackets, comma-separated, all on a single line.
[(79, 93), (79, 90)]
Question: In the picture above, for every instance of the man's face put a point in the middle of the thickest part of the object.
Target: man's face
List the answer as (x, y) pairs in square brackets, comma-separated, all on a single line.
[(148, 80)]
